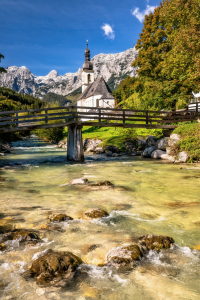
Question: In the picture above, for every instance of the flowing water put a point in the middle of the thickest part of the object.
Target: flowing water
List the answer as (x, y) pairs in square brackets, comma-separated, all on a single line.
[(158, 198)]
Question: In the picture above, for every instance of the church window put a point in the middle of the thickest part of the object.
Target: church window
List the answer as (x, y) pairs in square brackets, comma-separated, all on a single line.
[(89, 78)]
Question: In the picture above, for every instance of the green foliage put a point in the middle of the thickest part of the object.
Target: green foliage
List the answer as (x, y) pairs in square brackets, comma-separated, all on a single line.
[(11, 100), (1, 68), (74, 95), (55, 99), (168, 60), (190, 140), (54, 134)]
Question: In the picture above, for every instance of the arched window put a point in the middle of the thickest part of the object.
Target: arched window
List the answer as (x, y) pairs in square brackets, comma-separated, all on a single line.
[(89, 78)]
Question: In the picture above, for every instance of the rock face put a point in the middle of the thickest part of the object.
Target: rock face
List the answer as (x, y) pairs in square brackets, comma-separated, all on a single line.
[(125, 255), (110, 66), (95, 213), (54, 264), (59, 218), (155, 242)]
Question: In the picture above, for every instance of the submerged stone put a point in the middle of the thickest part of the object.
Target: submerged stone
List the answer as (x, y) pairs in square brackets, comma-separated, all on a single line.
[(78, 181), (22, 235), (59, 218), (54, 264), (2, 247), (125, 255), (101, 183), (2, 179), (95, 213), (155, 242)]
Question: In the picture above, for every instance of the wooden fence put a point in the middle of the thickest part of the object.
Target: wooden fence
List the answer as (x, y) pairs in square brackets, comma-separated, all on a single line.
[(66, 116)]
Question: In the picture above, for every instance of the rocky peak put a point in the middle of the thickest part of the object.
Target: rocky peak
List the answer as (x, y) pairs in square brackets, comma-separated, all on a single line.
[(113, 67)]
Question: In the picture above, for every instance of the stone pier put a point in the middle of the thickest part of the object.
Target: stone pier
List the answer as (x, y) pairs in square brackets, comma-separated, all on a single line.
[(75, 143)]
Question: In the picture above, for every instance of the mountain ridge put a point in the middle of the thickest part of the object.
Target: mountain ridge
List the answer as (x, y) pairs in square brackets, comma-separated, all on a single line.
[(111, 66)]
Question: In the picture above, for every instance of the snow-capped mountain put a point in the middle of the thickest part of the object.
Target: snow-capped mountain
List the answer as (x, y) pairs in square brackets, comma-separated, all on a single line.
[(113, 67)]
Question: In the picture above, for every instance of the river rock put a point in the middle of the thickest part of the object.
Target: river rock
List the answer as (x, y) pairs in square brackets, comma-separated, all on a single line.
[(168, 157), (95, 213), (155, 242), (59, 218), (182, 157), (162, 143), (2, 247), (54, 264), (2, 179), (174, 139), (157, 154), (109, 153), (125, 255), (90, 145), (78, 181), (99, 150), (147, 151), (2, 154), (62, 144), (112, 148), (101, 183), (22, 235), (151, 141)]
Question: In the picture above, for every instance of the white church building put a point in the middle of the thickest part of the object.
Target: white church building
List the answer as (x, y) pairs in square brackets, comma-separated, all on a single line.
[(94, 93)]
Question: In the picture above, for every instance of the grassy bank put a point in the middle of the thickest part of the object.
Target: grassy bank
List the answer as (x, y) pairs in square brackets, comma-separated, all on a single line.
[(115, 136)]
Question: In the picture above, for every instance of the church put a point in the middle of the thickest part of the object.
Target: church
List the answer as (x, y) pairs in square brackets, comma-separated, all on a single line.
[(94, 93)]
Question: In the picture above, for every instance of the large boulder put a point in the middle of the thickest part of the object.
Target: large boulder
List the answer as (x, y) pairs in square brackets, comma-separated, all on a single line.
[(155, 242), (54, 264), (125, 255), (162, 143), (147, 151), (95, 213), (151, 141), (157, 154), (59, 217)]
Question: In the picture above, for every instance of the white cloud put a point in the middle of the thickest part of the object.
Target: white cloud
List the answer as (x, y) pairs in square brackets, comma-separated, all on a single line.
[(140, 15), (108, 31)]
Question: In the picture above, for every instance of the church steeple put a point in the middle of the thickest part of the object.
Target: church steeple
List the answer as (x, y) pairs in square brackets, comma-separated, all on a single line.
[(88, 73)]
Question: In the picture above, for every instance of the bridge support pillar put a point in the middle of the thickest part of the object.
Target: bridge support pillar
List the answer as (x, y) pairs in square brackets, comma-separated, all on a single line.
[(167, 132), (75, 144)]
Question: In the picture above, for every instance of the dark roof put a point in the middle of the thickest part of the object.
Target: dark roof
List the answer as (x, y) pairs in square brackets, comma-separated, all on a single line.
[(98, 87)]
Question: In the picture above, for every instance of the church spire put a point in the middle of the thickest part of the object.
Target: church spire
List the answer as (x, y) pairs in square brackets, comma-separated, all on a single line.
[(87, 53)]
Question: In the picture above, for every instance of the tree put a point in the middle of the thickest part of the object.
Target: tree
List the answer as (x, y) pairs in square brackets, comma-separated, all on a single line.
[(169, 53), (1, 68)]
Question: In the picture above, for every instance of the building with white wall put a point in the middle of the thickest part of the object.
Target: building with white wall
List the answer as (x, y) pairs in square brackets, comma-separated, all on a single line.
[(94, 93)]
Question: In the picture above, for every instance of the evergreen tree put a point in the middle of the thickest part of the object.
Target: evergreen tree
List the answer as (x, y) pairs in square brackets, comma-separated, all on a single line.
[(1, 68)]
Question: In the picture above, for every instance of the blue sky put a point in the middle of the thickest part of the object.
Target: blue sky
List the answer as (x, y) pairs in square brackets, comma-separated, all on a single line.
[(51, 35)]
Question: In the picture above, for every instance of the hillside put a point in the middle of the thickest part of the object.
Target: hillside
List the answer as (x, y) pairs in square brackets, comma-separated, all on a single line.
[(11, 100), (55, 99), (113, 67)]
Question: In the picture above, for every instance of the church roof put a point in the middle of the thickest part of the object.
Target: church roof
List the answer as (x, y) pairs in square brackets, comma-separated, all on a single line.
[(98, 87)]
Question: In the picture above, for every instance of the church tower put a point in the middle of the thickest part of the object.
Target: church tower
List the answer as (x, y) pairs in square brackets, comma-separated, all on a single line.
[(87, 73)]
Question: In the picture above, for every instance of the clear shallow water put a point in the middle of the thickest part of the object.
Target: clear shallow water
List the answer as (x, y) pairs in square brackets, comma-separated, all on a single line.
[(160, 199)]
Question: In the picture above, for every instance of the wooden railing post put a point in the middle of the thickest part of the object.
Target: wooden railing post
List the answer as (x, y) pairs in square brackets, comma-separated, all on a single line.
[(99, 114), (46, 117), (16, 119), (197, 107), (123, 116), (147, 118)]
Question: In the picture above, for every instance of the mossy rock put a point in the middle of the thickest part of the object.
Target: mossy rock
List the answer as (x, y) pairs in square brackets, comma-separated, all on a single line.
[(59, 218), (125, 255), (95, 213), (155, 242), (54, 264)]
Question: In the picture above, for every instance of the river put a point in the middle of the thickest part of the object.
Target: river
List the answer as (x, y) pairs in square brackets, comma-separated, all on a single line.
[(158, 198)]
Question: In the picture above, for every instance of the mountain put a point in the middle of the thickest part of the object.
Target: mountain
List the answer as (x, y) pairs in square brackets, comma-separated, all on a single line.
[(113, 67)]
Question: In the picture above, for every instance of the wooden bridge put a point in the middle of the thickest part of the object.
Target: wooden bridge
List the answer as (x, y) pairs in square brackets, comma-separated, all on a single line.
[(75, 117)]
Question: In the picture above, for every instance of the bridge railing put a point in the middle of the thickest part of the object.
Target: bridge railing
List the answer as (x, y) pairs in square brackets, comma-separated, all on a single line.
[(46, 117)]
